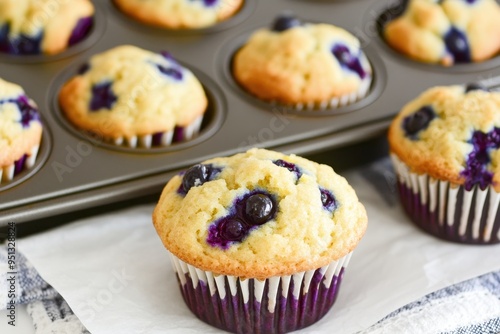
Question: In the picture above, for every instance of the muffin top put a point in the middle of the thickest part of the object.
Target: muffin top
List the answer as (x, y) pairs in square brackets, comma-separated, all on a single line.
[(180, 14), (295, 62), (43, 26), (20, 126), (451, 133), (127, 91), (446, 31), (259, 214)]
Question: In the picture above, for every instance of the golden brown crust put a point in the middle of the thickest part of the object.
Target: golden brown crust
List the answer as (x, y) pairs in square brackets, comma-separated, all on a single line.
[(303, 236), (178, 14)]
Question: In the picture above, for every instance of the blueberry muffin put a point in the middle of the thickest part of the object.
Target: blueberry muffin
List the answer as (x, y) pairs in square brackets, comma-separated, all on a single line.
[(259, 221), (134, 97), (446, 32), (20, 131), (43, 26), (445, 147), (180, 14), (303, 64)]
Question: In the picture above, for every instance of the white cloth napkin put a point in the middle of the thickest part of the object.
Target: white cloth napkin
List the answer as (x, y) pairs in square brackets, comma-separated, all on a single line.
[(115, 274)]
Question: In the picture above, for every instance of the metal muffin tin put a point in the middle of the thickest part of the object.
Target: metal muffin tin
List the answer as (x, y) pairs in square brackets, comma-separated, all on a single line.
[(75, 171)]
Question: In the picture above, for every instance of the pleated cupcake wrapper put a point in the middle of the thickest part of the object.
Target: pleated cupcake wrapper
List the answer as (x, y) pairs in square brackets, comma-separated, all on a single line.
[(8, 173), (161, 139), (275, 305), (447, 210), (336, 102)]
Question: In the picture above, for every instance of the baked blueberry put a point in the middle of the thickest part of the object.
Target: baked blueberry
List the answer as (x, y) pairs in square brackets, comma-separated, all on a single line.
[(83, 69), (476, 170), (171, 72), (347, 60), (328, 200), (195, 176), (247, 213), (29, 112), (102, 97), (457, 44), (167, 55), (418, 121), (81, 30), (232, 229), (475, 86), (210, 3), (259, 209), (290, 166), (285, 22)]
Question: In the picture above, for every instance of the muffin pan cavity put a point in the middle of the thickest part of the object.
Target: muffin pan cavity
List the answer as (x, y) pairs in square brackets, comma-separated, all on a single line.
[(384, 12), (95, 33), (202, 128), (355, 101)]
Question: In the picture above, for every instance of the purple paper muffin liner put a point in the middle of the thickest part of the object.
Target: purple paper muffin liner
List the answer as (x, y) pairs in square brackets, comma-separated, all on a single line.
[(161, 139), (8, 173), (275, 305), (448, 211)]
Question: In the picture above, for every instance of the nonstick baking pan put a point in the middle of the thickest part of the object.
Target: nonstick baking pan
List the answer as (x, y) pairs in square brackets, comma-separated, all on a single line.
[(77, 172)]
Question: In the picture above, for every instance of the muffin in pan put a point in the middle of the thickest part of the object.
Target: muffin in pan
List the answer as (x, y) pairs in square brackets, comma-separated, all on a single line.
[(446, 32), (20, 131), (29, 27), (445, 148), (134, 97), (180, 14), (259, 240), (303, 65)]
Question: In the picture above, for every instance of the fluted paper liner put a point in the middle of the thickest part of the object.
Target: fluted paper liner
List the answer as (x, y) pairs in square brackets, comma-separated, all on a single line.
[(275, 305), (337, 102), (161, 139), (449, 211), (8, 173)]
